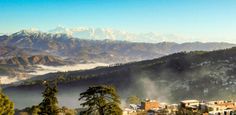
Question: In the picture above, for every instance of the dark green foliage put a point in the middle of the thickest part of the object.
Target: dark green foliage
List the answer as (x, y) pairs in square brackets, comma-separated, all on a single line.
[(102, 100), (68, 111), (6, 106), (179, 64), (34, 110), (133, 100), (49, 105)]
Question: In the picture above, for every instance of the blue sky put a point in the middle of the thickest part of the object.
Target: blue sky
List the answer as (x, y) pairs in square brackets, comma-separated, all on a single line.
[(214, 20)]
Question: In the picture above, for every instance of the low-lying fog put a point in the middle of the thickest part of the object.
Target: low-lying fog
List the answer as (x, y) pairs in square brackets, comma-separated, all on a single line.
[(43, 69), (68, 95), (8, 80)]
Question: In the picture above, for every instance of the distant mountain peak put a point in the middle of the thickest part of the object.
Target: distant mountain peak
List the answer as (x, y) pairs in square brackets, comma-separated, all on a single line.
[(39, 34), (64, 44), (113, 34), (28, 31)]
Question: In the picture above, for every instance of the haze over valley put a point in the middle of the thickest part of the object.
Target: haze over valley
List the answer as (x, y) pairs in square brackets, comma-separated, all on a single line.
[(117, 57), (29, 53)]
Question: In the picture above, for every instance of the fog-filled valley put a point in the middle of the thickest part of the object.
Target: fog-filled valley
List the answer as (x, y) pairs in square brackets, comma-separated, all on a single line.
[(165, 71), (29, 53), (117, 57), (199, 74)]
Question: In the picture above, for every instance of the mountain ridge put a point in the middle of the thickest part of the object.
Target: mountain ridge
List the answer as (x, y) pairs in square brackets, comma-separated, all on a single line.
[(32, 60), (199, 74), (99, 50), (114, 34)]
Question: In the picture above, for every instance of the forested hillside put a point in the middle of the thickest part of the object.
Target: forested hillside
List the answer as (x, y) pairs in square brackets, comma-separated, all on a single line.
[(200, 75)]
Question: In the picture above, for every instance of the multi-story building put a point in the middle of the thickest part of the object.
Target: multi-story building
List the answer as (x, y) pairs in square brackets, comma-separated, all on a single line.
[(190, 104), (150, 104), (221, 107)]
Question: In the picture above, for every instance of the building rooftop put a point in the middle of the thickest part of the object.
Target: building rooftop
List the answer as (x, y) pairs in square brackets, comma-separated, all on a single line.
[(190, 101), (149, 100)]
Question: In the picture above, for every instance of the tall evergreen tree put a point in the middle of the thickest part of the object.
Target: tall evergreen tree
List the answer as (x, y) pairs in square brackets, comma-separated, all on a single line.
[(102, 100), (6, 106), (49, 105)]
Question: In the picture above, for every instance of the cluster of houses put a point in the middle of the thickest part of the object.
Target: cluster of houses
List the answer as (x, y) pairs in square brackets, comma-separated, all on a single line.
[(220, 107), (151, 107), (185, 107)]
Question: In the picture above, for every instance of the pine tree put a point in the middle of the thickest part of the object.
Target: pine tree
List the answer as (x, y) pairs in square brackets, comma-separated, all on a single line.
[(102, 100), (49, 105), (6, 106)]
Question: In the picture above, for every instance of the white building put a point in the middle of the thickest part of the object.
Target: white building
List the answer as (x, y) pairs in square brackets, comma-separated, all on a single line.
[(189, 103), (221, 107), (128, 111)]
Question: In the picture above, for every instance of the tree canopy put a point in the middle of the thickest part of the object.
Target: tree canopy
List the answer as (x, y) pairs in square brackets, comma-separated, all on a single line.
[(133, 100), (6, 106), (102, 100), (49, 105)]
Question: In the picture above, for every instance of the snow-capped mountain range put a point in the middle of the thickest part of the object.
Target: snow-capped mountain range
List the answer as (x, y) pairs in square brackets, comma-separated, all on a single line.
[(77, 43), (112, 34)]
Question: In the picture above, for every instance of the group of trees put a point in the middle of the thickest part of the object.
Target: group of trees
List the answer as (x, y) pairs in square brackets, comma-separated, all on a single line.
[(6, 106), (101, 100), (49, 105), (97, 100)]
